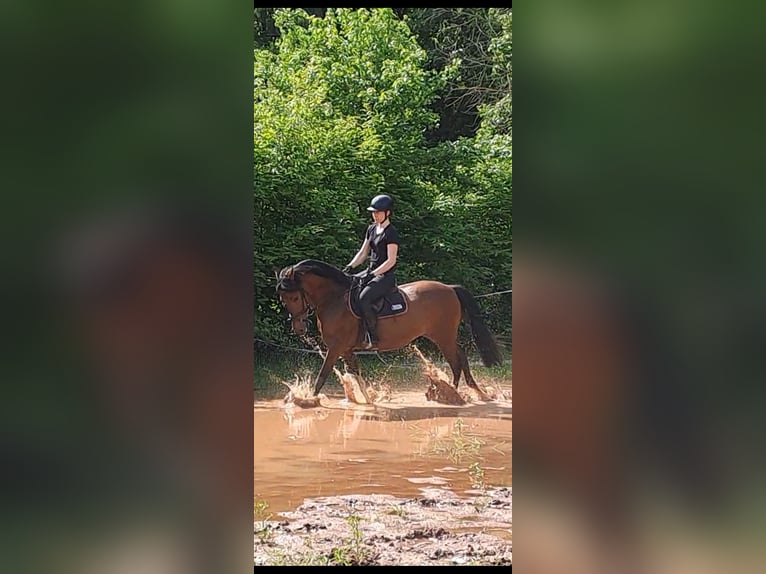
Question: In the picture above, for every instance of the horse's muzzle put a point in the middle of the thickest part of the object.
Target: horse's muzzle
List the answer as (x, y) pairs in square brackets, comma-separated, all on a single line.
[(299, 326)]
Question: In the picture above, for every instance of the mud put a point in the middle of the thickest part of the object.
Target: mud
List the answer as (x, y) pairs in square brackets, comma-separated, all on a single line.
[(436, 528)]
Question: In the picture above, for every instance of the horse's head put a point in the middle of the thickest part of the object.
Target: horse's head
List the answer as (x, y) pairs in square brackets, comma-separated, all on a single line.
[(293, 298), (307, 284)]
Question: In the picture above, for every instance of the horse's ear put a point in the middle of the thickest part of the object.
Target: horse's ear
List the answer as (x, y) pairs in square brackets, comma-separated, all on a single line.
[(276, 272)]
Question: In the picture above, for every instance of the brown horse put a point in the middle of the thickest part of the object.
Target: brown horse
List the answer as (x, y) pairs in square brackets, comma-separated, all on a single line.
[(434, 312)]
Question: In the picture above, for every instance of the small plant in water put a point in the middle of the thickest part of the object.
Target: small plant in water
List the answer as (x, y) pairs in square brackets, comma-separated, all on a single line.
[(476, 472), (354, 552), (261, 516), (357, 536), (310, 558), (261, 510), (458, 445), (397, 511)]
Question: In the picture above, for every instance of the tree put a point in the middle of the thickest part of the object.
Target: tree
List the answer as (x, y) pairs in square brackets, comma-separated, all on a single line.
[(342, 107)]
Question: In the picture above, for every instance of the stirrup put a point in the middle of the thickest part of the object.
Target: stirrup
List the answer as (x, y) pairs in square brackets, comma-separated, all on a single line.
[(367, 342)]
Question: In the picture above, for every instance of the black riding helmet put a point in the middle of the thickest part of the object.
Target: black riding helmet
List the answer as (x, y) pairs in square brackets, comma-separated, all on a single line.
[(381, 203)]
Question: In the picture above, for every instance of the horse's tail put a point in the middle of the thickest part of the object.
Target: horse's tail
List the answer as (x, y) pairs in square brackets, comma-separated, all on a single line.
[(485, 341)]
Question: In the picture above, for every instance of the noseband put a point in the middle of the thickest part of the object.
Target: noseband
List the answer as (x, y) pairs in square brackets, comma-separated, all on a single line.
[(306, 311)]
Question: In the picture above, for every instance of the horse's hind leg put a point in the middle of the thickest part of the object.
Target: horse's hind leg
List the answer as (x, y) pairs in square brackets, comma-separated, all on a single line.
[(467, 372), (466, 369), (450, 351)]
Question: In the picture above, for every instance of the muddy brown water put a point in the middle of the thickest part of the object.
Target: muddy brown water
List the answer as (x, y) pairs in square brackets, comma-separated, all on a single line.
[(406, 481), (401, 448)]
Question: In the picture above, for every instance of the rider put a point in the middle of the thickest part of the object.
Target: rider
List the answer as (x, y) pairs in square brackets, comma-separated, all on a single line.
[(383, 240)]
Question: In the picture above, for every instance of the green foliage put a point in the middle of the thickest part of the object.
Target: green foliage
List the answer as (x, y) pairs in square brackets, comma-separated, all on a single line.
[(353, 552), (261, 516), (342, 105), (476, 43)]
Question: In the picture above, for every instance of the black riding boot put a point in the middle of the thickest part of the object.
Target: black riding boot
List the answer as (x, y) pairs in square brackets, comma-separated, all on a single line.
[(371, 323)]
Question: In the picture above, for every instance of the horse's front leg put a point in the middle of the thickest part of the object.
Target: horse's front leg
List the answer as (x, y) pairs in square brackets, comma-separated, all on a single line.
[(330, 359), (352, 363), (353, 367)]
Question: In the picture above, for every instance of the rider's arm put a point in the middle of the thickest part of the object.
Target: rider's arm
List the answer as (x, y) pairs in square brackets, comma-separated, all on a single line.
[(361, 255), (393, 249)]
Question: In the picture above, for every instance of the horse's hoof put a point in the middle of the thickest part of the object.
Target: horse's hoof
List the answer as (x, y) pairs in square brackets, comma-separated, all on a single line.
[(308, 403)]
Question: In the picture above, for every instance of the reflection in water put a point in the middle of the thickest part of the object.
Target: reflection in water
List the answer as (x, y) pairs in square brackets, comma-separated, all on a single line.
[(300, 422), (355, 449), (349, 425)]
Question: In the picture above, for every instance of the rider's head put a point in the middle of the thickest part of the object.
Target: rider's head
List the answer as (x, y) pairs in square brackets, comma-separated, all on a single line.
[(381, 204)]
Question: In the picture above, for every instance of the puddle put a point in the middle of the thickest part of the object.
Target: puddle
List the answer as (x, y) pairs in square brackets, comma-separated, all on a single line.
[(429, 480), (503, 533), (393, 449)]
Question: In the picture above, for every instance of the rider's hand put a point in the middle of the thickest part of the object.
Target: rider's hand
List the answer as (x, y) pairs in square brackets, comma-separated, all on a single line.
[(362, 276)]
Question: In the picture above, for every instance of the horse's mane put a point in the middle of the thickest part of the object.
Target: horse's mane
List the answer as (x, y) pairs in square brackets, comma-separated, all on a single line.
[(289, 278)]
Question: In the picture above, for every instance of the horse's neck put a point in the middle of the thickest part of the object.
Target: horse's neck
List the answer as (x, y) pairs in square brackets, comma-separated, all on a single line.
[(323, 294)]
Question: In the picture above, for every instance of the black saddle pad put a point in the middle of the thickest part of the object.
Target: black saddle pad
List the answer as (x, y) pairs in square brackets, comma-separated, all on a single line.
[(391, 304)]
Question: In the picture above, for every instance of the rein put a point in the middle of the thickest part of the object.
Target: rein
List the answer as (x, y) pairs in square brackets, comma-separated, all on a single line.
[(307, 310), (305, 313)]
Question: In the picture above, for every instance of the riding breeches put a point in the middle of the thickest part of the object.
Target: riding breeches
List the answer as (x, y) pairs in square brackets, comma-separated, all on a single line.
[(374, 290)]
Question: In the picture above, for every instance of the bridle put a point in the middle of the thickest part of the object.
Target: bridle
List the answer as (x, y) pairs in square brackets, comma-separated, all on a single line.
[(305, 312), (290, 284)]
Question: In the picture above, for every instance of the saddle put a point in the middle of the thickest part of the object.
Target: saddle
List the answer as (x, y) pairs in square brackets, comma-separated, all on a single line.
[(393, 303)]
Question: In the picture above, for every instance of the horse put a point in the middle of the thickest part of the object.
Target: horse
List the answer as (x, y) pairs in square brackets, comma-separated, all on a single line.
[(434, 310)]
